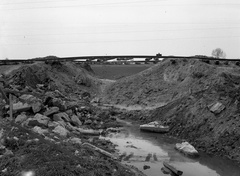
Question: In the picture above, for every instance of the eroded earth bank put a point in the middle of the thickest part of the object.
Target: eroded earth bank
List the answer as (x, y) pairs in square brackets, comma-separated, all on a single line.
[(61, 109)]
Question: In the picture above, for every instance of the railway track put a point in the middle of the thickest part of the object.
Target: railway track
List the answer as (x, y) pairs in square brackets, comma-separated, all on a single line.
[(149, 58)]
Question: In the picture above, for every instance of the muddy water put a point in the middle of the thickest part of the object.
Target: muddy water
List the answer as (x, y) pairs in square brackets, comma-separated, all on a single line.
[(151, 149)]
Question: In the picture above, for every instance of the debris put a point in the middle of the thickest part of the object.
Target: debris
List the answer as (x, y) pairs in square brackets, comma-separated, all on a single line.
[(145, 167), (21, 118), (216, 108), (21, 107), (62, 116), (172, 169), (75, 140), (187, 149), (39, 130), (75, 120), (51, 111), (61, 131), (154, 127), (89, 131), (100, 150), (36, 106)]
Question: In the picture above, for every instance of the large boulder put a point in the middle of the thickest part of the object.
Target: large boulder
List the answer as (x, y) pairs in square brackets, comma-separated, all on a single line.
[(61, 131), (187, 149), (51, 111), (75, 120), (62, 116)]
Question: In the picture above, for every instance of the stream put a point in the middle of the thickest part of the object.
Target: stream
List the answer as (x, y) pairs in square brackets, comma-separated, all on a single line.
[(141, 149)]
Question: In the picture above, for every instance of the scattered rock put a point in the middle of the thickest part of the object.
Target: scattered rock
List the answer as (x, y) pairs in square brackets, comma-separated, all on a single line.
[(51, 111), (75, 120), (76, 140), (59, 103), (69, 112), (216, 108), (39, 130), (61, 131), (21, 118), (21, 107), (42, 119), (62, 116), (62, 123), (52, 125), (146, 167), (36, 107), (88, 122), (27, 98), (70, 127)]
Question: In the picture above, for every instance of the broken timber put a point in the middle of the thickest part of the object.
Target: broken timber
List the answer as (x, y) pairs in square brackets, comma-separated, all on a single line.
[(172, 169), (100, 150)]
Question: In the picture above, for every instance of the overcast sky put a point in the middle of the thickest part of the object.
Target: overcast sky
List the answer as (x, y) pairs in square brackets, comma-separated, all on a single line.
[(38, 28)]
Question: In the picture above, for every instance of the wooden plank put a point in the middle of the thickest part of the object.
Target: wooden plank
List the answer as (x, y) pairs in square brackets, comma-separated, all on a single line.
[(172, 169), (22, 92), (100, 150), (11, 107)]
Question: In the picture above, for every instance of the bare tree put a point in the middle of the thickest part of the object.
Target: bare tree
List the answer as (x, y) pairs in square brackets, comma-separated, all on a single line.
[(218, 53)]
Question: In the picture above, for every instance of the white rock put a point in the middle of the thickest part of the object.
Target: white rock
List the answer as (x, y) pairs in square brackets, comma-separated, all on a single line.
[(216, 108), (186, 148)]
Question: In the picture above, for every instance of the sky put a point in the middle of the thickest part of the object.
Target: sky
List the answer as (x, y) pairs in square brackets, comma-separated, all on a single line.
[(65, 28)]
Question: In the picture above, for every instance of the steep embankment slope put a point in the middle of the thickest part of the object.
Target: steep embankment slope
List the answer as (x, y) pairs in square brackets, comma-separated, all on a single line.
[(202, 102), (161, 83)]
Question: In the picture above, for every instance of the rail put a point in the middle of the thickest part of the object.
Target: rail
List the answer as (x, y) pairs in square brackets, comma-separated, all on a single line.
[(148, 58)]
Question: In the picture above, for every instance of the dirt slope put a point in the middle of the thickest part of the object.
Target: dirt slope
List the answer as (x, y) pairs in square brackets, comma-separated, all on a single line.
[(166, 82), (65, 77), (189, 89)]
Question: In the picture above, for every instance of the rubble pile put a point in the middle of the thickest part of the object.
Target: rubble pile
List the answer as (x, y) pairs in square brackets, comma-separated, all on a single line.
[(51, 129)]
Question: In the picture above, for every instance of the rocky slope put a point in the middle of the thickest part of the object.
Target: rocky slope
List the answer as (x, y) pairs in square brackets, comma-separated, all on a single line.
[(201, 102), (53, 123), (65, 77)]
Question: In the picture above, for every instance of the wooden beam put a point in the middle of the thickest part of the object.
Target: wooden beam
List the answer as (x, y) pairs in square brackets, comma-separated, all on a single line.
[(172, 169)]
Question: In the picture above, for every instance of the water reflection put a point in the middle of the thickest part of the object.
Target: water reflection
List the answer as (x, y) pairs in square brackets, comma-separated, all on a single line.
[(139, 149)]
